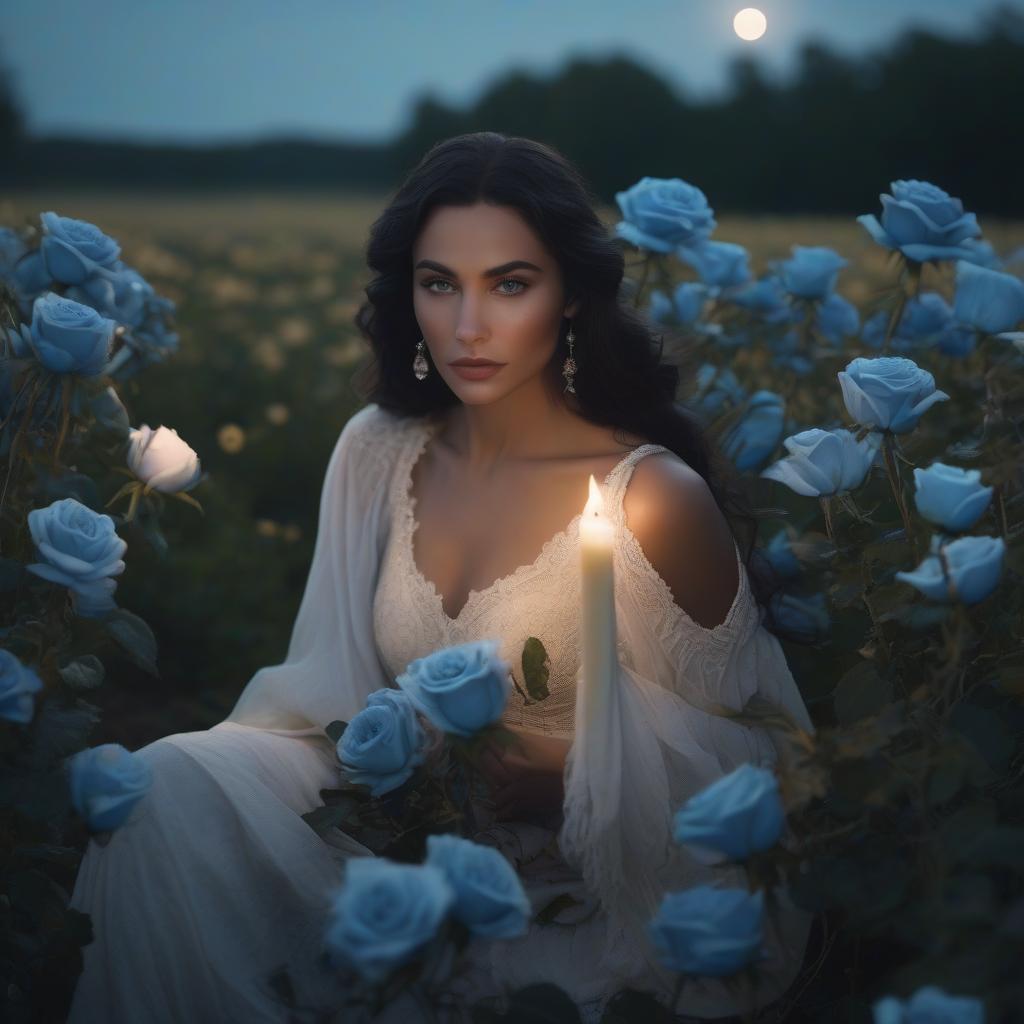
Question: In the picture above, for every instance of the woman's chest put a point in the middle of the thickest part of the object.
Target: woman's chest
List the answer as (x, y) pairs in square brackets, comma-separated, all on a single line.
[(470, 532)]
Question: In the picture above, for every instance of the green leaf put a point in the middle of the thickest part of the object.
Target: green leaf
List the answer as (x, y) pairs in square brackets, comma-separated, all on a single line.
[(861, 692), (134, 637), (84, 673), (335, 730), (323, 819), (535, 669), (60, 729)]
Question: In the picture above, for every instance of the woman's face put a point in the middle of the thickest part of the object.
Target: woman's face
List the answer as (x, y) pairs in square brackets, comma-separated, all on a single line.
[(465, 311)]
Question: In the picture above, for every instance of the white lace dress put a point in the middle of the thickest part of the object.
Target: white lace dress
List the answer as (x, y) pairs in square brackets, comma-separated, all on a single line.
[(215, 879)]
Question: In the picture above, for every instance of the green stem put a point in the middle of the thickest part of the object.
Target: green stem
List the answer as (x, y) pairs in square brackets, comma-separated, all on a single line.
[(643, 280), (896, 483)]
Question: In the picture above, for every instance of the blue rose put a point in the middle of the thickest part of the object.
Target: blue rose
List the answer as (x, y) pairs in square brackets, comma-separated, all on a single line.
[(79, 549), (810, 273), (988, 300), (889, 392), (18, 686), (121, 293), (716, 385), (781, 556), (788, 351), (489, 897), (106, 782), (949, 496), (685, 306), (837, 318), (68, 337), (765, 296), (751, 441), (927, 321), (707, 931), (929, 1005), (459, 689), (384, 914), (739, 814), (804, 619), (923, 222), (384, 743), (824, 462), (660, 309), (75, 249), (977, 250), (688, 300), (661, 214), (974, 566), (720, 264)]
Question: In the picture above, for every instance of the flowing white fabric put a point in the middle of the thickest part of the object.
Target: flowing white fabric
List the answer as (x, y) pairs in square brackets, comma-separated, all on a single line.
[(215, 879)]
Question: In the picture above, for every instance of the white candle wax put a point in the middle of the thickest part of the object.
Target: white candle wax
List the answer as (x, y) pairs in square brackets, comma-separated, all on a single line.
[(600, 652)]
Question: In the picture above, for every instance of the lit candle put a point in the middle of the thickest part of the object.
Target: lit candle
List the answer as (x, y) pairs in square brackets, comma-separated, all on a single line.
[(600, 652)]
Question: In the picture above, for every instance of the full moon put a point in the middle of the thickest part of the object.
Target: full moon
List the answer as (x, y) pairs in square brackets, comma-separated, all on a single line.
[(750, 24)]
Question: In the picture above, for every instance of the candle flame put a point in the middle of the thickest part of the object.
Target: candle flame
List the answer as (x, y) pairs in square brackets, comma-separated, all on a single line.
[(595, 503)]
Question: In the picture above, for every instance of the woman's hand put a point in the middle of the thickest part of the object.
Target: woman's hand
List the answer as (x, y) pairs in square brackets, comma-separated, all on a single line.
[(526, 777)]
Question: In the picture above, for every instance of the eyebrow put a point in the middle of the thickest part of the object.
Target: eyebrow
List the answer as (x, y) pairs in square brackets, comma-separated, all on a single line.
[(493, 272)]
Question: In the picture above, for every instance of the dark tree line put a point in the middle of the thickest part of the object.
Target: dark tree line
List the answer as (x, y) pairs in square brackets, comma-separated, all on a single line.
[(828, 139)]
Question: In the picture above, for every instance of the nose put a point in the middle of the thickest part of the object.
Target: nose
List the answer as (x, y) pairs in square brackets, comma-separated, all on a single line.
[(469, 327)]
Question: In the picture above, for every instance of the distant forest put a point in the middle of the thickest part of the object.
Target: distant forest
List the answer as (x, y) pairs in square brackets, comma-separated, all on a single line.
[(827, 139)]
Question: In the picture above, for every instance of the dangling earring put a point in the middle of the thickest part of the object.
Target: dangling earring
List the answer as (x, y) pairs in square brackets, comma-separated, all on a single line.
[(420, 366), (569, 366)]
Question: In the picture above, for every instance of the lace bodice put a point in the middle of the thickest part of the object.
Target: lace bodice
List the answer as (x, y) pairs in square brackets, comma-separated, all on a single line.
[(541, 599)]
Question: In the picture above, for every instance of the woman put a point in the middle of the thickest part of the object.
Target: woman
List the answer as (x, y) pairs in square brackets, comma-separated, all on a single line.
[(450, 512)]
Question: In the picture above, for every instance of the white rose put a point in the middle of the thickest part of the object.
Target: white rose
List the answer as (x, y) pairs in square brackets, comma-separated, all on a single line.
[(160, 459)]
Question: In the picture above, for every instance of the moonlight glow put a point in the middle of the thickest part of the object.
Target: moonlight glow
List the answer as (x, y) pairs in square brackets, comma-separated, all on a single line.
[(750, 24)]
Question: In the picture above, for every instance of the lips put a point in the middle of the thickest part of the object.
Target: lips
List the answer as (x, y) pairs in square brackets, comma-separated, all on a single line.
[(475, 362)]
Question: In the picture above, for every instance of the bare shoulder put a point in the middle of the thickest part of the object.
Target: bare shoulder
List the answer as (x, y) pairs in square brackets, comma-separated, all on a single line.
[(671, 511)]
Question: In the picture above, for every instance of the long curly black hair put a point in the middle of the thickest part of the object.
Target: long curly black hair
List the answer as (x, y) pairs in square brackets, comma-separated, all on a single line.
[(623, 378)]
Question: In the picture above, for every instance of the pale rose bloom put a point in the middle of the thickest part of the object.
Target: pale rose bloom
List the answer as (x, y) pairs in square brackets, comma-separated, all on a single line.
[(162, 460)]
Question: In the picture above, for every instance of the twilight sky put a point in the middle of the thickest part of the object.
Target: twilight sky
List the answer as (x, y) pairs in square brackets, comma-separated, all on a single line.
[(200, 70)]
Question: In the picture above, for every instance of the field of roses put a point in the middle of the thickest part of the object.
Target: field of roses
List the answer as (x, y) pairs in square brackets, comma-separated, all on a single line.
[(171, 386)]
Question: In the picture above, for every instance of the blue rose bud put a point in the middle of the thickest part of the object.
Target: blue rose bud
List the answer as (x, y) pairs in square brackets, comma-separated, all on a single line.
[(706, 931), (739, 814), (810, 273), (489, 897), (988, 300), (688, 301), (974, 564), (949, 496), (68, 337), (765, 296), (889, 392), (716, 385), (121, 293), (106, 782), (660, 309), (804, 619), (720, 264), (79, 549), (459, 689), (781, 557), (661, 214), (384, 743), (923, 222), (825, 462), (74, 250), (837, 318), (751, 441), (18, 686), (384, 914), (929, 1005)]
